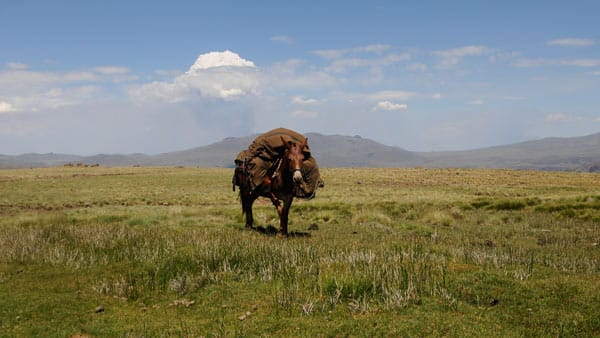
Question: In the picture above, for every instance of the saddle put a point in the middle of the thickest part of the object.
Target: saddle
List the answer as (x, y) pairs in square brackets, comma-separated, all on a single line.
[(259, 160)]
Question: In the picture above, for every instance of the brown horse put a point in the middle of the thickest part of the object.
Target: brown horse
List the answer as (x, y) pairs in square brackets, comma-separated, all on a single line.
[(279, 185)]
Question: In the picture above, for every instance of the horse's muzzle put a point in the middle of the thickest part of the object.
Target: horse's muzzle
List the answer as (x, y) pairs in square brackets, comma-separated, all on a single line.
[(298, 176)]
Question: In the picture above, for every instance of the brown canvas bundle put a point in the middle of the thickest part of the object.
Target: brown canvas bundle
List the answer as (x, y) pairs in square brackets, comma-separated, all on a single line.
[(261, 155)]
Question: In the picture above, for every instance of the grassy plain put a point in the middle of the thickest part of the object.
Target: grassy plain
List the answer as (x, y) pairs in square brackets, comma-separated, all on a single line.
[(398, 252)]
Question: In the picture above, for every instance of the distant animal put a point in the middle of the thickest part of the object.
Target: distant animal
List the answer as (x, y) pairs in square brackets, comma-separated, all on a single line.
[(288, 174)]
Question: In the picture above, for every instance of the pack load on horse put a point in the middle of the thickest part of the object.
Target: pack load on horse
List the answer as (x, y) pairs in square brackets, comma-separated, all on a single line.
[(277, 165)]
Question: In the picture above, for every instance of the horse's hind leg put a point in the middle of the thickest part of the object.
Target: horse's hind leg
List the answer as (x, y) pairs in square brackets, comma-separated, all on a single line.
[(247, 201), (249, 216)]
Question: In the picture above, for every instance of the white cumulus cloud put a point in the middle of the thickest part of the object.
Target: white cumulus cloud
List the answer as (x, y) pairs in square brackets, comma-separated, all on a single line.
[(224, 75), (219, 59), (6, 107), (304, 101), (390, 106)]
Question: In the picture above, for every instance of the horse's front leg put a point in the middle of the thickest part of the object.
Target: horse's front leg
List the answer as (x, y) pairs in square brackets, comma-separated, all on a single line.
[(277, 203), (283, 216)]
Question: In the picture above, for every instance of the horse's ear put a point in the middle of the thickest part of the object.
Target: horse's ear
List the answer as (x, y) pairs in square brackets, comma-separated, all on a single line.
[(303, 144), (287, 144)]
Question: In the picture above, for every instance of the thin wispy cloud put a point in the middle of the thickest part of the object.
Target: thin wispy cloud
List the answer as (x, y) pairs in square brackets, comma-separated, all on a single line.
[(27, 79), (168, 72), (512, 98), (338, 53), (561, 117), (462, 51), (112, 70), (24, 89), (571, 42), (297, 74), (581, 62), (503, 56), (344, 64), (451, 57), (387, 95), (305, 114), (282, 38), (417, 67), (525, 63), (476, 102), (16, 66), (539, 62)]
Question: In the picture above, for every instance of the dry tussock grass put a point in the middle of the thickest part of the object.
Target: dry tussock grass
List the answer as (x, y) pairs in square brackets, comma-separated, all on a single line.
[(388, 240)]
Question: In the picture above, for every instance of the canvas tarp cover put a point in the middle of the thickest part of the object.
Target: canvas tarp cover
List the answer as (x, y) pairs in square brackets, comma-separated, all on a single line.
[(261, 155)]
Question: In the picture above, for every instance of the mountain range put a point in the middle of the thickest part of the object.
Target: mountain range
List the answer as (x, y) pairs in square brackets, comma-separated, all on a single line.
[(569, 154)]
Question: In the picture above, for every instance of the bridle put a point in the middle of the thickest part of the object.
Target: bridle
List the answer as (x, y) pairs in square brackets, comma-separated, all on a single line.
[(296, 159), (295, 170)]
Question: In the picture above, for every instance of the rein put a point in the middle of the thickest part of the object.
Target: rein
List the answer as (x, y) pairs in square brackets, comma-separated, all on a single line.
[(278, 164)]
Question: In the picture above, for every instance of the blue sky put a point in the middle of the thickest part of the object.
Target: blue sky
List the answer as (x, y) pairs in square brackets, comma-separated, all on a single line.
[(88, 77)]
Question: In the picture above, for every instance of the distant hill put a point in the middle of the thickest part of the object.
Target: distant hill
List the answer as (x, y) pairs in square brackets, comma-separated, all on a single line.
[(568, 153), (219, 154), (573, 153), (355, 151), (36, 160)]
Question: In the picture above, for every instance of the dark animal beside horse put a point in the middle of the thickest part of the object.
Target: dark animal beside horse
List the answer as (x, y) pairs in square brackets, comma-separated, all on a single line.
[(280, 173)]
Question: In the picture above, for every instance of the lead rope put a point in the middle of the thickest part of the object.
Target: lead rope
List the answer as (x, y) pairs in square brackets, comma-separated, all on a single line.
[(278, 162)]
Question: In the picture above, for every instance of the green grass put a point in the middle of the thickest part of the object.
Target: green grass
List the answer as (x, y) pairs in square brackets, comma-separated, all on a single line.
[(398, 252)]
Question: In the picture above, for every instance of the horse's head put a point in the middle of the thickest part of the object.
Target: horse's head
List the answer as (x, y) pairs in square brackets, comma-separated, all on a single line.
[(295, 156)]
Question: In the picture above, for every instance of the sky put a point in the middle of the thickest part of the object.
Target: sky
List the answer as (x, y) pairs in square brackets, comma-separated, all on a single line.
[(83, 77)]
